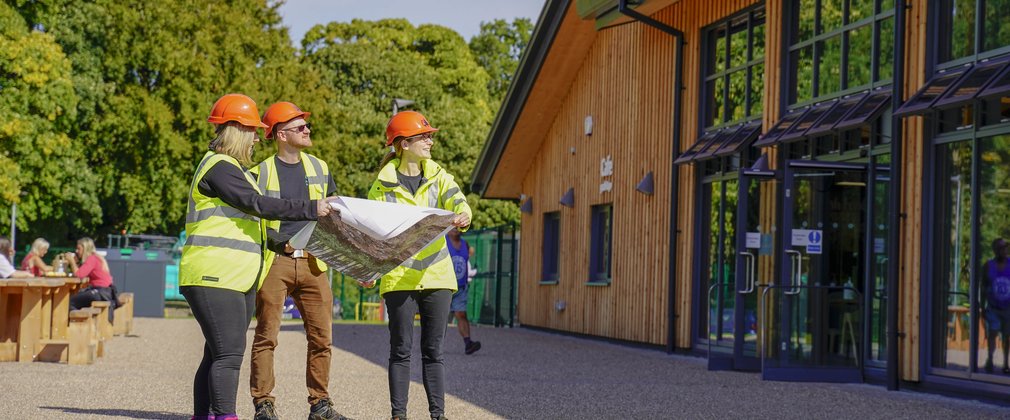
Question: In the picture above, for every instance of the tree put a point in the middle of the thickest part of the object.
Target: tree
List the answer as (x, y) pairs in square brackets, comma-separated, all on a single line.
[(498, 48), (367, 64), (42, 171), (146, 73)]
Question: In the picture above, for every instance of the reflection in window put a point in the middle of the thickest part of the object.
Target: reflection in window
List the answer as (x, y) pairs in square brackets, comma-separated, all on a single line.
[(996, 32), (993, 278), (959, 23), (551, 246), (850, 49), (953, 208), (601, 241), (735, 68)]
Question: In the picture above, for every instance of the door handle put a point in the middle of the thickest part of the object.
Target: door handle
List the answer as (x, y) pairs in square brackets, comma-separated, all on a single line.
[(750, 276), (796, 266)]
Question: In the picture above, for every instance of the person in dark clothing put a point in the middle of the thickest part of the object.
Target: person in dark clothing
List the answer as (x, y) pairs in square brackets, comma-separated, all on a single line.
[(222, 259), (995, 301)]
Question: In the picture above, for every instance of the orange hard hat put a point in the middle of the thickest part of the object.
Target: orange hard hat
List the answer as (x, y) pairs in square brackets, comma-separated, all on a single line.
[(236, 107), (282, 112), (407, 124)]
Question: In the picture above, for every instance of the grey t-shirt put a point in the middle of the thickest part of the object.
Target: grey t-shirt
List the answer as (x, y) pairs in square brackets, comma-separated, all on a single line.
[(411, 183)]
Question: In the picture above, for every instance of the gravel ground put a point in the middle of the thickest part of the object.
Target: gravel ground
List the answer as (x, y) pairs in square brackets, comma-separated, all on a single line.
[(518, 374)]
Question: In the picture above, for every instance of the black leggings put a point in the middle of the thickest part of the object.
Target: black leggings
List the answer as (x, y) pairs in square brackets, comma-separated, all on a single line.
[(433, 305), (224, 317)]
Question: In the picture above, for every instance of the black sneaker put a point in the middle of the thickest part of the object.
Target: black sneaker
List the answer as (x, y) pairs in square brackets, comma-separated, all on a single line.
[(443, 417), (323, 410), (472, 348), (265, 411)]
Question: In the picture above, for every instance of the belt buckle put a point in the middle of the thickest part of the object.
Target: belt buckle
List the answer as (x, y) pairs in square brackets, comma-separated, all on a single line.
[(298, 253)]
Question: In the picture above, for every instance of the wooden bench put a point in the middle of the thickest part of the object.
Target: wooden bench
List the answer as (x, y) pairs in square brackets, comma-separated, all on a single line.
[(122, 323), (104, 326), (83, 350), (95, 336)]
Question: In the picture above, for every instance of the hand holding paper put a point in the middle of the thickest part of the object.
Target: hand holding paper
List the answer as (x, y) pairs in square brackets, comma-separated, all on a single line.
[(366, 239)]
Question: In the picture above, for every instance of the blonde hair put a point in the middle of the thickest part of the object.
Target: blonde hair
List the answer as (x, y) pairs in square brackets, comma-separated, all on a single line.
[(39, 246), (235, 140), (88, 249)]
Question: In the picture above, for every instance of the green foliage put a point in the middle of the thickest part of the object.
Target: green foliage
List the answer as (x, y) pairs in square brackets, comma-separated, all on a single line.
[(104, 103), (498, 48), (42, 171)]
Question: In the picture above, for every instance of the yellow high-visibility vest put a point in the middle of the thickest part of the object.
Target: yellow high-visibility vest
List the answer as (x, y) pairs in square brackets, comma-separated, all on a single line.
[(431, 268), (224, 245), (317, 176)]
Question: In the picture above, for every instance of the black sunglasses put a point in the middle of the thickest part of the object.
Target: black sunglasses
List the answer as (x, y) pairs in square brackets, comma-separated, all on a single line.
[(300, 128)]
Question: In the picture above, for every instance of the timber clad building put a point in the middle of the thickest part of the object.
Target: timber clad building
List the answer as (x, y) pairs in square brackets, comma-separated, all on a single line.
[(810, 189)]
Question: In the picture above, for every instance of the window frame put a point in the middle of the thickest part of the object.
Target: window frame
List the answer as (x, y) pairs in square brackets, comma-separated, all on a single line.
[(550, 259), (792, 45), (601, 244), (710, 74)]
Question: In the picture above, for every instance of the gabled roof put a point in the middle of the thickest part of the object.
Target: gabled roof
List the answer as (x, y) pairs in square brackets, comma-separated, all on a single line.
[(564, 34), (540, 85)]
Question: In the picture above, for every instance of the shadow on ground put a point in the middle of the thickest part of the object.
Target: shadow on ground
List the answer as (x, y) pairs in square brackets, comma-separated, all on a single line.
[(132, 414)]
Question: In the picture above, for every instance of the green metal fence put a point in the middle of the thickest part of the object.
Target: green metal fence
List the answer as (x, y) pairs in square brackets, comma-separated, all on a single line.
[(492, 292)]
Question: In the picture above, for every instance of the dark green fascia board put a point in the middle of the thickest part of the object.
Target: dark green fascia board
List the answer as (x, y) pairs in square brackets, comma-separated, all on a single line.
[(603, 11)]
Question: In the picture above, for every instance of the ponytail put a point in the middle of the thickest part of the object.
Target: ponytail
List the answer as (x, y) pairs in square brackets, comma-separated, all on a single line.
[(394, 151)]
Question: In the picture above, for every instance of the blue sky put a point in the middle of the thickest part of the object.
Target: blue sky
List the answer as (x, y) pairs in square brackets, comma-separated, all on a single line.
[(464, 16)]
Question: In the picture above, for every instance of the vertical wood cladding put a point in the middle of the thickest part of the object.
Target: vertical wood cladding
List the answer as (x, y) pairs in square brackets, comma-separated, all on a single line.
[(626, 83)]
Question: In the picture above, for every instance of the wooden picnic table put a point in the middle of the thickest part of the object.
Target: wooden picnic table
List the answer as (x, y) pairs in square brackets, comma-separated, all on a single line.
[(31, 310)]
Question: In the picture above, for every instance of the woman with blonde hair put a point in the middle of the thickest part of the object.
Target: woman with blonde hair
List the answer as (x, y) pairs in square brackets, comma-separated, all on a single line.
[(33, 261), (96, 269), (222, 260)]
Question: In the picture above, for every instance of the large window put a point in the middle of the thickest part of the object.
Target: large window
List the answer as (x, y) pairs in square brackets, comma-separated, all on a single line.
[(967, 28), (551, 246), (839, 46), (601, 241), (734, 68)]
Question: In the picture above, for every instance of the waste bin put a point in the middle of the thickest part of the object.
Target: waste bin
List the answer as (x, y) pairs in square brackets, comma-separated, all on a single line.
[(141, 272)]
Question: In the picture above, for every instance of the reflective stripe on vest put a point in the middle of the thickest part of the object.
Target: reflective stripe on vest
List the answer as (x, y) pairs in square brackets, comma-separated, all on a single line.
[(315, 176), (424, 263), (223, 246), (237, 245)]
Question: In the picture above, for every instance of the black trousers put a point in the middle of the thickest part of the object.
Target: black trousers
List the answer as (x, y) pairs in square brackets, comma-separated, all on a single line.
[(83, 299), (433, 305), (224, 317)]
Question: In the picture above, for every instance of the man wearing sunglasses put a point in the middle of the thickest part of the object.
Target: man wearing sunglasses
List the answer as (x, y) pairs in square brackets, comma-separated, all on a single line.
[(292, 173)]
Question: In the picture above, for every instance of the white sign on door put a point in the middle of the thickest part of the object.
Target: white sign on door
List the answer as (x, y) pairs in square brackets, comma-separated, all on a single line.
[(754, 240)]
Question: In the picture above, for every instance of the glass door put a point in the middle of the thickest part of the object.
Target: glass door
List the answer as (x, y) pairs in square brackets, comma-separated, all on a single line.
[(814, 311), (719, 212), (754, 263)]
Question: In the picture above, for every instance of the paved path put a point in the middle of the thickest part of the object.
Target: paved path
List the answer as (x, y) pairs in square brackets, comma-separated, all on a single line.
[(519, 374)]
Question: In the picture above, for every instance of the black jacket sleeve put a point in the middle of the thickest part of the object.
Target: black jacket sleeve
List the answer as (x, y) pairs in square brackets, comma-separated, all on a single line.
[(230, 185)]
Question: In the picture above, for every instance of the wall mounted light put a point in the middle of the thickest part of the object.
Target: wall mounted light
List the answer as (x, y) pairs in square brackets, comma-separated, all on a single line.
[(645, 186), (568, 200), (527, 206)]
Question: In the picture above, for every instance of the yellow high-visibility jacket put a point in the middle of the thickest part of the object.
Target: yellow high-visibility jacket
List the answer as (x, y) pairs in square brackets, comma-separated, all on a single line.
[(431, 268), (317, 176), (223, 244)]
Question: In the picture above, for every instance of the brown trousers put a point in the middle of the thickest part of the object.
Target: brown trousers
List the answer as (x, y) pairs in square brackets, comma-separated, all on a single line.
[(311, 292)]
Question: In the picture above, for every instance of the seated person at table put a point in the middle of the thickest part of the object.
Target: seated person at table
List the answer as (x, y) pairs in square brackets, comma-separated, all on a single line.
[(6, 255), (96, 269), (33, 261)]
